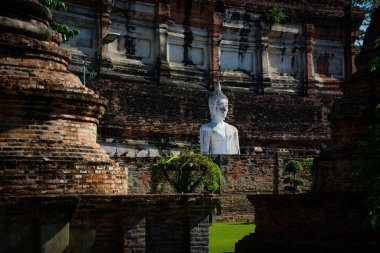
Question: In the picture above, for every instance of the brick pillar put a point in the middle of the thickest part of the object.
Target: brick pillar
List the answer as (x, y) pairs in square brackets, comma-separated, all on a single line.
[(162, 17), (215, 28), (199, 233), (105, 22), (309, 31), (134, 233), (264, 57), (350, 51)]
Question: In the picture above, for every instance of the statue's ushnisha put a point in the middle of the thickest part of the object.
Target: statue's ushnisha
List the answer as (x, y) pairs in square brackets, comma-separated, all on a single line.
[(217, 136)]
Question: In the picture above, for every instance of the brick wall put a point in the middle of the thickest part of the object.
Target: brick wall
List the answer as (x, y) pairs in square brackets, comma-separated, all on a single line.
[(104, 223), (312, 223), (241, 175), (150, 112), (333, 218), (351, 120)]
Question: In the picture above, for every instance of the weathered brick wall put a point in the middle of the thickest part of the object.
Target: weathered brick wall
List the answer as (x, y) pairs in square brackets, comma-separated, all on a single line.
[(332, 218), (241, 175), (48, 118), (104, 223), (61, 177), (298, 223), (152, 112), (145, 97), (351, 119)]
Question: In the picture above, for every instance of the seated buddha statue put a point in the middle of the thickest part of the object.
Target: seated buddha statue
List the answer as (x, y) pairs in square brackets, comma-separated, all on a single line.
[(217, 136)]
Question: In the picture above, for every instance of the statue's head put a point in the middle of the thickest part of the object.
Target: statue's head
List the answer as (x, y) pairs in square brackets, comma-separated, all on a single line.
[(218, 104)]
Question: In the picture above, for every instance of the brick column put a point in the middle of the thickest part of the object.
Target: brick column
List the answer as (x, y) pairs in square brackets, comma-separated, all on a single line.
[(263, 56), (105, 22), (215, 28), (350, 52), (309, 31), (134, 233), (162, 17), (56, 152), (199, 233)]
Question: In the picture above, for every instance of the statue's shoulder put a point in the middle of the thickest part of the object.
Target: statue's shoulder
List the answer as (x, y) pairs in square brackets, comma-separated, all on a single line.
[(207, 127), (231, 128)]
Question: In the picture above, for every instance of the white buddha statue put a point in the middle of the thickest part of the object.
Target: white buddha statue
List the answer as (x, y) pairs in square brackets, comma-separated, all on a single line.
[(217, 136)]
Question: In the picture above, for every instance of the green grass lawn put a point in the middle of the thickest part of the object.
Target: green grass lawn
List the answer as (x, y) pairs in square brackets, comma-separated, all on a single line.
[(224, 235)]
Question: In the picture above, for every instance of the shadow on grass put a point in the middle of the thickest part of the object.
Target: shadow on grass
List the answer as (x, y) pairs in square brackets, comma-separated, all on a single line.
[(224, 235)]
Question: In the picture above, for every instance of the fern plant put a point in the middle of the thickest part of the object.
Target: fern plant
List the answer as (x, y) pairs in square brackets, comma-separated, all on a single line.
[(185, 173), (292, 182)]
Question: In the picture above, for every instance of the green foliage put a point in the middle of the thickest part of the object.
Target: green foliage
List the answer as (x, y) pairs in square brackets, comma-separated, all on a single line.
[(308, 164), (288, 180), (64, 30), (299, 182), (369, 171), (167, 141), (185, 173), (274, 15), (293, 166), (93, 74), (375, 62), (54, 4), (368, 7), (293, 183)]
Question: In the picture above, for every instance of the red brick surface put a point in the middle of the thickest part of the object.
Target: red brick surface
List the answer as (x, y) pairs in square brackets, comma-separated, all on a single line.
[(152, 112), (259, 173), (48, 118)]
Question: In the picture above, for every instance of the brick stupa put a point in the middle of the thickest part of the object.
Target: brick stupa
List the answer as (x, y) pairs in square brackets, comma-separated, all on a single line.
[(48, 118)]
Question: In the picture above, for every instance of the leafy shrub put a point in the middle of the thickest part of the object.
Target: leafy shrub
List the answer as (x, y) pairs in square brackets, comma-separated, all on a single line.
[(54, 4), (293, 183), (185, 173), (308, 164), (274, 15), (293, 166), (64, 30)]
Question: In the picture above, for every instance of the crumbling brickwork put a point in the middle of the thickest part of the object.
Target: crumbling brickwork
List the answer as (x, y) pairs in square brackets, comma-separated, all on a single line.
[(149, 112), (105, 223), (314, 223), (169, 54), (321, 221), (351, 119), (258, 173), (59, 190), (48, 119)]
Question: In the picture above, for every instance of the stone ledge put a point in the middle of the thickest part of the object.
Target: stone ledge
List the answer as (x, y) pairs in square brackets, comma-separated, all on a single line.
[(103, 198)]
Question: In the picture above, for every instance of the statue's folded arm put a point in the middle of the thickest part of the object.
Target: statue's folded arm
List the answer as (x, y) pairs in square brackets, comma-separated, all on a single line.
[(205, 138)]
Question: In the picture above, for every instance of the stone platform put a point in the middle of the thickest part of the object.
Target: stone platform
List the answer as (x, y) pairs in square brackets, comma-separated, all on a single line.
[(105, 223)]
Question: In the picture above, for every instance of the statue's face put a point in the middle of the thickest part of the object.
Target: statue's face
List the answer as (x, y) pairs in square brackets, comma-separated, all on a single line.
[(219, 110)]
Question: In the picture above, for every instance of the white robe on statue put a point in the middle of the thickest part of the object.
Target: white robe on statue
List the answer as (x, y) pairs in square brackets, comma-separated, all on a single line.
[(218, 139)]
